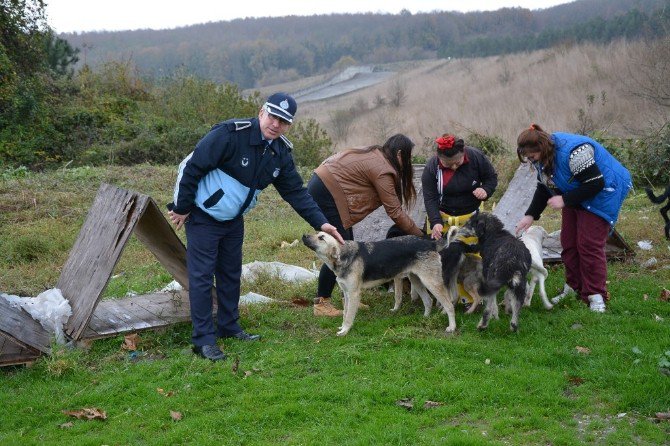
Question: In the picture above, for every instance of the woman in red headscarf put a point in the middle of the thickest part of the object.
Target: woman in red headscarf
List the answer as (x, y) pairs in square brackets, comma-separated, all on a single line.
[(455, 182)]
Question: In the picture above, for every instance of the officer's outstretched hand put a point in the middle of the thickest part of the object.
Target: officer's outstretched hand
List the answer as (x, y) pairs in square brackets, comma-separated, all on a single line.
[(332, 230), (177, 219)]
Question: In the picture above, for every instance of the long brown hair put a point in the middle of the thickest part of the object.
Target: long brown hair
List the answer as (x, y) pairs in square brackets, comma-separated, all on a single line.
[(536, 140)]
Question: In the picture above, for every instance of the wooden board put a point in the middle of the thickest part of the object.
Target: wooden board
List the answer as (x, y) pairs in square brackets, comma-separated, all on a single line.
[(18, 326), (118, 316), (12, 353), (155, 232), (110, 222)]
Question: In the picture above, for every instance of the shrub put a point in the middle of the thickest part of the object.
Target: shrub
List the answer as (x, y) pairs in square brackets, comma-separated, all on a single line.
[(311, 144), (491, 145), (647, 158)]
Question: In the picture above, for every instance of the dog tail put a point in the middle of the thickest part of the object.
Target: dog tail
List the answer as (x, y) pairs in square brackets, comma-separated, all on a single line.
[(661, 198), (492, 286)]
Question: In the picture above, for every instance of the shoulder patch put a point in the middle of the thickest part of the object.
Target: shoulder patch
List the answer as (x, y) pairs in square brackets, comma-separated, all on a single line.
[(241, 125), (288, 143)]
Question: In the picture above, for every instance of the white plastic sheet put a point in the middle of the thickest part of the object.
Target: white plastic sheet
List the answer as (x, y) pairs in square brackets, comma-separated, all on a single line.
[(49, 308)]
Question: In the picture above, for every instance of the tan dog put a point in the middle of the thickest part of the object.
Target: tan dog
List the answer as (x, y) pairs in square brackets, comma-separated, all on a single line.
[(358, 266), (533, 238)]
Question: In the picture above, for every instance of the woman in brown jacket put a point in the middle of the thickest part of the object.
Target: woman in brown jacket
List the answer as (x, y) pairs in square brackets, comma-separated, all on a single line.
[(350, 185)]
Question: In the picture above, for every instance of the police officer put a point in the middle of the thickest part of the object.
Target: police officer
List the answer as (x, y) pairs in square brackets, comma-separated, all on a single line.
[(216, 185)]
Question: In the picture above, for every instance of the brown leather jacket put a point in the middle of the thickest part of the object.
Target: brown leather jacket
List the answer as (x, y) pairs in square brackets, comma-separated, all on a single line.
[(360, 182)]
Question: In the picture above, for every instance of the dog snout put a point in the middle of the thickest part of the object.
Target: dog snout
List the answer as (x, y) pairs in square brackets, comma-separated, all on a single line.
[(307, 241)]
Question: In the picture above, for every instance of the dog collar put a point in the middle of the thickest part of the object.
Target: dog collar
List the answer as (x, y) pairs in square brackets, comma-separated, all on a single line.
[(468, 240)]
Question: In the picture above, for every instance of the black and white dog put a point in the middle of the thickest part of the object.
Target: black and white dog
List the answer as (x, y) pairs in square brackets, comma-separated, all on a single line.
[(360, 265), (505, 262), (664, 210)]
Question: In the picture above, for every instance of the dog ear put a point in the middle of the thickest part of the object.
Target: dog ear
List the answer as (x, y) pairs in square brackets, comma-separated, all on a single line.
[(334, 255)]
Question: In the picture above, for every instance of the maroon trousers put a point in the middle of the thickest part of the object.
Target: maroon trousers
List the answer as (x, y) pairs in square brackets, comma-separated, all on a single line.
[(583, 237)]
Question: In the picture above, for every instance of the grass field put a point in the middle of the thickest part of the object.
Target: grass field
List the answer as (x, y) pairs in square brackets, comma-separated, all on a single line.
[(568, 377)]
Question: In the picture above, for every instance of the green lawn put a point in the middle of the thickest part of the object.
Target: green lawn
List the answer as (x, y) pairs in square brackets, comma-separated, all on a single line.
[(395, 379)]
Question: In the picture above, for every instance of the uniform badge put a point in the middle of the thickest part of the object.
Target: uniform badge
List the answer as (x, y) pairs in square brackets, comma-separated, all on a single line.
[(245, 162), (275, 174), (284, 104)]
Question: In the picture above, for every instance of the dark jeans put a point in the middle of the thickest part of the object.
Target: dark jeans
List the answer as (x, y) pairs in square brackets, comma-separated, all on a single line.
[(214, 250), (583, 237), (325, 200)]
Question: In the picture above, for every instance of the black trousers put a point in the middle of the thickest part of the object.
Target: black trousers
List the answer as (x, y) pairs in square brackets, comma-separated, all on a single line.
[(326, 202), (214, 250)]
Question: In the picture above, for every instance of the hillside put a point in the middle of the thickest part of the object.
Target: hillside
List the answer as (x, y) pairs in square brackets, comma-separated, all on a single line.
[(572, 88), (250, 53)]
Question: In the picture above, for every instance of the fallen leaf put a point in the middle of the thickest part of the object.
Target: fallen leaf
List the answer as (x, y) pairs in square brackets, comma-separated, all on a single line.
[(300, 302), (430, 404), (67, 425), (130, 342), (248, 373), (236, 364), (164, 393), (576, 380), (663, 415), (487, 361), (89, 413), (583, 350), (645, 297), (407, 403), (658, 318), (176, 416), (665, 295)]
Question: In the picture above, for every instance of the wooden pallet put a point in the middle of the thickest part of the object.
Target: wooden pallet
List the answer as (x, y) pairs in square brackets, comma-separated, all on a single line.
[(115, 215)]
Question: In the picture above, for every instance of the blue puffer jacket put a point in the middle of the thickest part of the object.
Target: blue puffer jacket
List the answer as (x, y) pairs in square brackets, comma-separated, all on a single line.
[(607, 203), (230, 167)]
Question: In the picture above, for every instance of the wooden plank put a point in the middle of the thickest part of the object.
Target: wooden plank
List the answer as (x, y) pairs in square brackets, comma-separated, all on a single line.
[(12, 353), (516, 199), (136, 313), (101, 240), (19, 326), (155, 232)]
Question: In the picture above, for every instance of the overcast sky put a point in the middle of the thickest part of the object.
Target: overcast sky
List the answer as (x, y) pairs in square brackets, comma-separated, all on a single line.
[(116, 15)]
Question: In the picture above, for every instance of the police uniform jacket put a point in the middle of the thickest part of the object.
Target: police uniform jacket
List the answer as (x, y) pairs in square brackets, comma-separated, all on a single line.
[(229, 168)]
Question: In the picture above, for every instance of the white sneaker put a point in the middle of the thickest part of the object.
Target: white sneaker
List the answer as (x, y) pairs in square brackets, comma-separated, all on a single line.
[(566, 292), (596, 303)]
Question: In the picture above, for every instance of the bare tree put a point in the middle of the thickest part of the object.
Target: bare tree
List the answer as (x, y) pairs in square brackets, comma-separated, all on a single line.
[(649, 72), (398, 92), (340, 124)]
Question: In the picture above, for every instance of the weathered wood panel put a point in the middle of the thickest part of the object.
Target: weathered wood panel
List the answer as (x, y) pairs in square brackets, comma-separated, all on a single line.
[(516, 199), (11, 353), (110, 221), (155, 232), (117, 316), (18, 326)]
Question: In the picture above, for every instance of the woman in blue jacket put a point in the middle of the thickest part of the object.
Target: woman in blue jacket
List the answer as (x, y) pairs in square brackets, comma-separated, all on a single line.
[(579, 176)]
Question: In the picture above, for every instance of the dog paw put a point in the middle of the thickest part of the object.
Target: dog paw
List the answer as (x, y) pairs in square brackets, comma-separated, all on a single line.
[(343, 332), (513, 328), (549, 307)]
